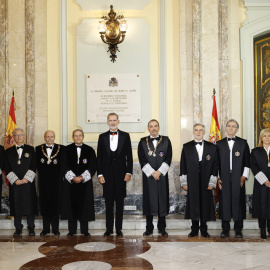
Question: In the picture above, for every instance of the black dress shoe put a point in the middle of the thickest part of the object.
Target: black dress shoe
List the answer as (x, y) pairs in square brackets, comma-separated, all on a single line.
[(147, 233), (224, 234), (205, 234), (263, 234), (87, 234), (56, 232), (163, 232), (238, 235), (193, 234), (44, 233), (108, 233), (31, 232), (119, 233), (70, 234), (17, 233)]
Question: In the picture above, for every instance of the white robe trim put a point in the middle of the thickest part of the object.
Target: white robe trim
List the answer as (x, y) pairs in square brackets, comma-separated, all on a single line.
[(148, 170), (69, 176), (12, 178), (183, 180), (86, 176), (261, 177), (30, 176)]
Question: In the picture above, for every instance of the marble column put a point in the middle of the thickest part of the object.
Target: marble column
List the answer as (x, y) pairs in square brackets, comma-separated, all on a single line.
[(223, 49), (196, 65), (30, 70), (3, 66)]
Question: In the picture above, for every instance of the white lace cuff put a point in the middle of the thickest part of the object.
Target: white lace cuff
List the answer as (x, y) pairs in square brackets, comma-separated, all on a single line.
[(86, 176), (246, 172), (12, 178), (69, 176), (0, 171), (183, 180), (148, 170), (261, 177), (30, 176), (164, 168), (213, 181)]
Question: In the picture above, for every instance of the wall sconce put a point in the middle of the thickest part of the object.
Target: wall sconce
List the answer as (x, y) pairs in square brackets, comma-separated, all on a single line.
[(112, 31)]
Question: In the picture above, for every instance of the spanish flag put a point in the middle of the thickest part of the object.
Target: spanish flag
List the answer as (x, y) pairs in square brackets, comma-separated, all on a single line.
[(214, 135), (11, 125)]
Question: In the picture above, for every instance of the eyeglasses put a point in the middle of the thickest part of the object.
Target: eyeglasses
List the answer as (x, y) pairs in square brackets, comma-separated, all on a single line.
[(229, 126), (18, 135)]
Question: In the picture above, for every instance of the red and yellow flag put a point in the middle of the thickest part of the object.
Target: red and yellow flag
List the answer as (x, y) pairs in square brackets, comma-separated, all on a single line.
[(11, 125), (214, 135)]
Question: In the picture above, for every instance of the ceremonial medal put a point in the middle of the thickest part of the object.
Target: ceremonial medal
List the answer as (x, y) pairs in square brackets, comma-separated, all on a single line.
[(42, 160), (84, 161), (55, 161), (18, 162), (268, 164), (237, 154), (150, 153), (26, 155), (154, 154), (161, 154), (49, 161), (208, 157)]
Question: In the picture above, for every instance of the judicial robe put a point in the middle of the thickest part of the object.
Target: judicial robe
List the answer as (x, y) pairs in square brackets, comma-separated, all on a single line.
[(78, 199), (232, 199), (124, 163), (50, 178), (261, 193), (23, 196), (197, 186), (155, 192), (1, 171)]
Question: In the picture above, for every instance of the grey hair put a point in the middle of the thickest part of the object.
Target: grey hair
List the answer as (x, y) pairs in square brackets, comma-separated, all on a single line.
[(77, 129), (198, 124), (49, 131), (18, 129), (233, 120)]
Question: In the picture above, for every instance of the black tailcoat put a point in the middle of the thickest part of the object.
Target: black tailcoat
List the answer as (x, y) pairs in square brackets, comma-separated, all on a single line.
[(261, 193), (198, 182), (50, 178), (23, 196), (1, 170), (155, 192), (124, 163), (232, 200), (78, 199)]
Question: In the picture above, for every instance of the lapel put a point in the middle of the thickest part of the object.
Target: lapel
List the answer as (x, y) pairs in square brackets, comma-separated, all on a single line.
[(120, 141), (55, 148), (194, 150), (14, 153), (205, 150), (107, 141), (264, 154)]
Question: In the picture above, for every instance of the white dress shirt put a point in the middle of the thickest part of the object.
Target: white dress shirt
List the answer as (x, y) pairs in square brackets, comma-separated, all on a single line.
[(199, 149)]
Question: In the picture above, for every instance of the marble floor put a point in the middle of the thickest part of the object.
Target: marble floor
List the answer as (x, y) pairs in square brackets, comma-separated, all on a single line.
[(133, 251)]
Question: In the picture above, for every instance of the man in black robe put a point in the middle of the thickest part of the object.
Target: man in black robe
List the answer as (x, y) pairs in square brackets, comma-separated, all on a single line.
[(50, 159), (234, 164), (20, 167), (115, 164), (198, 175), (78, 197), (155, 155), (1, 170)]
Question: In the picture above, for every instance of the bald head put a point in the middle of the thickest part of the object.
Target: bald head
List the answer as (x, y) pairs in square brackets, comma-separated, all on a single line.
[(49, 137)]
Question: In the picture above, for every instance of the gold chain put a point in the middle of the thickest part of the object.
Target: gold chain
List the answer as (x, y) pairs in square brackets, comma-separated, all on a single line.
[(49, 158), (150, 152)]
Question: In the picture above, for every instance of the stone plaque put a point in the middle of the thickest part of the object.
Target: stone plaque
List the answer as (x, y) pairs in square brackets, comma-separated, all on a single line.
[(119, 93)]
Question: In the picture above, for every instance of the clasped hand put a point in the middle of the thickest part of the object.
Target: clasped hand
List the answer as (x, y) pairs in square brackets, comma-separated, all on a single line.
[(21, 182)]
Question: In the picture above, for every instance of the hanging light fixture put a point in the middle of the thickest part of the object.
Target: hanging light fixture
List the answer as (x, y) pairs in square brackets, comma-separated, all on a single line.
[(112, 31)]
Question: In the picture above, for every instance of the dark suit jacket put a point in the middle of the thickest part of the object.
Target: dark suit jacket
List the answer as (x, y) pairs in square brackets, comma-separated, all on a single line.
[(124, 162)]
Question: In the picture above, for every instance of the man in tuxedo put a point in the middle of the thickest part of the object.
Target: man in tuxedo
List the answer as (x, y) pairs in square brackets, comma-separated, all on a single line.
[(234, 156), (198, 176), (155, 155), (20, 167), (115, 164), (77, 201), (50, 159), (1, 171)]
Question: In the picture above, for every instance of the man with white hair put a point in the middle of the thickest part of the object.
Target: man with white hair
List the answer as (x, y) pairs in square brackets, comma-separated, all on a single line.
[(20, 167)]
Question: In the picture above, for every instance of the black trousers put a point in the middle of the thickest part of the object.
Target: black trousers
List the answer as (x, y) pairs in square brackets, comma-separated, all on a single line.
[(30, 222), (238, 225), (119, 205), (196, 227), (161, 225), (263, 222), (51, 220), (72, 226)]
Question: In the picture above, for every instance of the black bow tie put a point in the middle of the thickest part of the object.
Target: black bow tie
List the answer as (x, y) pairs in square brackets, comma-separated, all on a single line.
[(113, 132), (50, 147), (153, 139), (78, 146), (200, 143), (19, 147), (231, 139)]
